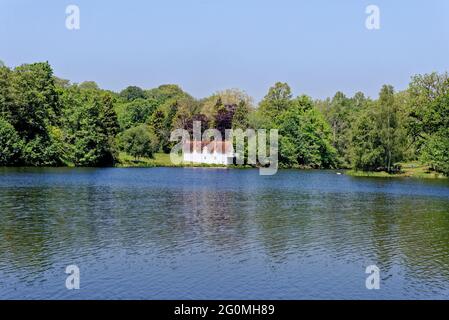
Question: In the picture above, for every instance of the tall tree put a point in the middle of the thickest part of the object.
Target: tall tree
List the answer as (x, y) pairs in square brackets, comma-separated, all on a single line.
[(34, 109), (11, 146), (278, 99), (132, 93), (109, 116), (424, 91), (378, 138), (5, 93), (240, 119), (432, 117), (89, 128), (306, 139), (390, 127)]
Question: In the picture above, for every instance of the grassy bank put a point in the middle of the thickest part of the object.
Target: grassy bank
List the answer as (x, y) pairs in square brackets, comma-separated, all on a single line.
[(409, 170), (158, 160)]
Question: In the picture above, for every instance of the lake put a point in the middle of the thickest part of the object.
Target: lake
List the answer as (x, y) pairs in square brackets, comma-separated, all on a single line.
[(200, 233)]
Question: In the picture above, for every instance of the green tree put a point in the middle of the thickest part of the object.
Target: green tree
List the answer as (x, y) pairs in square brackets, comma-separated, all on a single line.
[(136, 112), (89, 128), (379, 137), (306, 139), (132, 93), (10, 144), (229, 97), (187, 111), (391, 130), (366, 143), (429, 118), (5, 93), (91, 141), (139, 142), (89, 85), (341, 112), (166, 92), (171, 111), (109, 116), (157, 123), (339, 116), (277, 100), (34, 107), (240, 119), (435, 150)]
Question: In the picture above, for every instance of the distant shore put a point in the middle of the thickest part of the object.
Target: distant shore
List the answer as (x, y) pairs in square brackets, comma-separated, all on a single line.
[(162, 160), (409, 170)]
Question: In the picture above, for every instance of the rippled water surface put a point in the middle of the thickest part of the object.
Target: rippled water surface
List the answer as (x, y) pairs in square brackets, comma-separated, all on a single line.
[(171, 233)]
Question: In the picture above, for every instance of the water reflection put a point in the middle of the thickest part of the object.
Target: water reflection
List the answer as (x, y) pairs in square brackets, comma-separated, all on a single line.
[(202, 233)]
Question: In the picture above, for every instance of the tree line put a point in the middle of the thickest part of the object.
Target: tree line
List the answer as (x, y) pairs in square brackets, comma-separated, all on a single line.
[(49, 121)]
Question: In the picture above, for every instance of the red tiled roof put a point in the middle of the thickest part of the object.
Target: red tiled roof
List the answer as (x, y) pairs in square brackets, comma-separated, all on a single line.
[(210, 146)]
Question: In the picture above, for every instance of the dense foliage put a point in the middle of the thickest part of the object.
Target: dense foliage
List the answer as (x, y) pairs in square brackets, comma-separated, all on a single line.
[(48, 121), (139, 141)]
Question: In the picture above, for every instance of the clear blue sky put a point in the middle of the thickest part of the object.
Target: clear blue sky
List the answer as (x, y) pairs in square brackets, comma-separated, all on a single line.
[(317, 46)]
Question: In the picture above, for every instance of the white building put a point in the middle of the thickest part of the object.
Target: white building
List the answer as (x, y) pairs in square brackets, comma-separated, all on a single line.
[(209, 152)]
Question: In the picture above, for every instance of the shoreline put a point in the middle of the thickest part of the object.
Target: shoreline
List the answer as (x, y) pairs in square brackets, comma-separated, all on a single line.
[(413, 170), (345, 172)]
